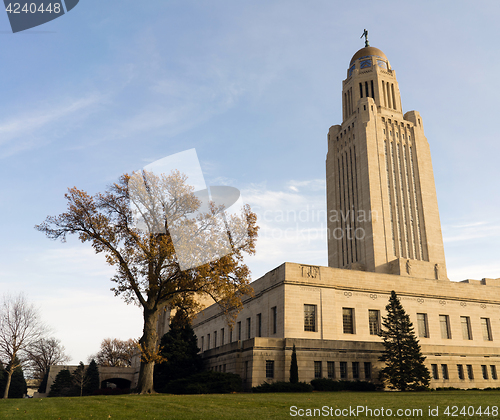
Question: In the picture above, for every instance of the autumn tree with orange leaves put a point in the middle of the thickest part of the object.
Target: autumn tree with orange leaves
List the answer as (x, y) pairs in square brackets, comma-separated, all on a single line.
[(144, 224)]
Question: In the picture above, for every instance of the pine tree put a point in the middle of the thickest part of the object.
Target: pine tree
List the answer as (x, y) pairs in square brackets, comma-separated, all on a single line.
[(18, 387), (42, 389), (405, 369), (63, 385), (92, 382), (179, 347), (294, 368), (3, 378)]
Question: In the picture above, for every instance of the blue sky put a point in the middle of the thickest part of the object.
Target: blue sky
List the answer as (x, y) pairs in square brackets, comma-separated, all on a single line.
[(253, 86)]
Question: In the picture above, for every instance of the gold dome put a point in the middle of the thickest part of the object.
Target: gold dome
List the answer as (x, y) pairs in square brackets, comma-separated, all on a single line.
[(367, 51)]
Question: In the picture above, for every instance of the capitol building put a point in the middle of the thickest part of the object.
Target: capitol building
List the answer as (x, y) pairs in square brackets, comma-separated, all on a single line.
[(384, 234)]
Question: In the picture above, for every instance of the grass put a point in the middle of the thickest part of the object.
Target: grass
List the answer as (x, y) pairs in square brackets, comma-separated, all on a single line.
[(244, 406)]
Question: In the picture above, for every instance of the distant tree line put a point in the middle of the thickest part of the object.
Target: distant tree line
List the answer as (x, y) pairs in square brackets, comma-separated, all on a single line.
[(25, 347)]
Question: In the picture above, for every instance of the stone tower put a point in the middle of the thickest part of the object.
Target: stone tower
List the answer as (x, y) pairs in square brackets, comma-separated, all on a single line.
[(381, 198)]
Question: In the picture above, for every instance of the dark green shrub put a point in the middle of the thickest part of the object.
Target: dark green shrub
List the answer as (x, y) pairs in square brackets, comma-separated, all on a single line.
[(331, 385), (209, 382), (283, 387)]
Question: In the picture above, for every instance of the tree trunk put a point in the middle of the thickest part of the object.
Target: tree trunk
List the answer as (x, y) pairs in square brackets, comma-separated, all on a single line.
[(7, 385), (148, 343)]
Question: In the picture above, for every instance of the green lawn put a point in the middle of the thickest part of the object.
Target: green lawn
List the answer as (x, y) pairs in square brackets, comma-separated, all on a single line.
[(251, 406)]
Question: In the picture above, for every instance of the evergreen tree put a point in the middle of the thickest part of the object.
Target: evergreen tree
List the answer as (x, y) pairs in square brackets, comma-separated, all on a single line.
[(3, 379), (63, 385), (92, 382), (179, 347), (294, 368), (405, 369), (18, 387), (42, 389)]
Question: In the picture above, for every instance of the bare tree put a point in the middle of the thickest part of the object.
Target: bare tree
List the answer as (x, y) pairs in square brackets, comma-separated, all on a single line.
[(116, 353), (80, 378), (20, 328), (44, 353)]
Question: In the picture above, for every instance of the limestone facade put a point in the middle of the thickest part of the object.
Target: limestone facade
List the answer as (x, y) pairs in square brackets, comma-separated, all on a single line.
[(348, 306)]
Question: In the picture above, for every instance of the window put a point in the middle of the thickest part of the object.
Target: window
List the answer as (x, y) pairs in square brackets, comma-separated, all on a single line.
[(259, 325), (208, 341), (493, 369), (460, 369), (215, 339), (435, 372), (317, 370), (269, 368), (470, 372), (239, 330), (444, 371), (309, 317), (466, 330), (343, 370), (224, 368), (484, 369), (274, 316), (368, 370), (486, 329), (330, 366), (348, 320), (355, 370), (222, 336), (423, 330), (374, 321), (249, 325), (202, 343), (444, 321), (231, 335)]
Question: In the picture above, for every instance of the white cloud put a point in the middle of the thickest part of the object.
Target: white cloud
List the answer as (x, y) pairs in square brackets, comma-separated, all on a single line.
[(22, 128), (307, 186), (470, 231), (292, 226)]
